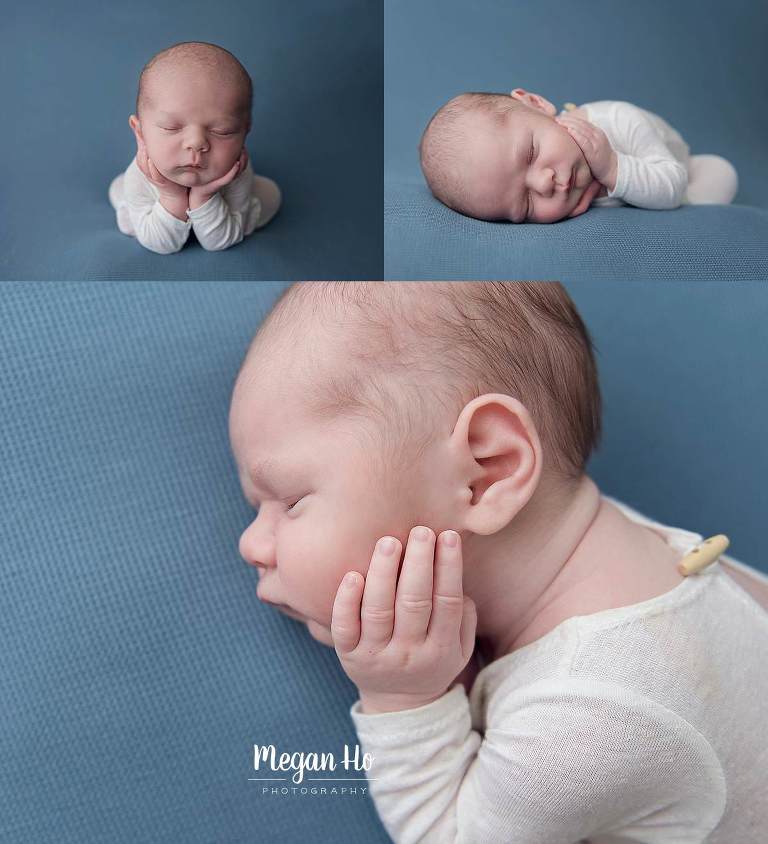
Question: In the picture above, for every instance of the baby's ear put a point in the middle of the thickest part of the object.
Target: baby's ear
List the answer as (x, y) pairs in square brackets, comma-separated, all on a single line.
[(534, 101), (133, 122)]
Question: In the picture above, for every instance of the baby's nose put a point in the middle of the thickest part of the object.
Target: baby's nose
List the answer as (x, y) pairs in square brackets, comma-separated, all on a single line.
[(255, 553), (545, 182)]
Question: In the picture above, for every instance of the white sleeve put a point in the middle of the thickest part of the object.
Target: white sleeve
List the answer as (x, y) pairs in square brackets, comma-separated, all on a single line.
[(155, 227), (648, 174), (222, 221), (560, 760)]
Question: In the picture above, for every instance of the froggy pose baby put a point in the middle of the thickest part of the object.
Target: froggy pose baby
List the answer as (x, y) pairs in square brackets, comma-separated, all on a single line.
[(191, 170), (513, 157), (531, 664)]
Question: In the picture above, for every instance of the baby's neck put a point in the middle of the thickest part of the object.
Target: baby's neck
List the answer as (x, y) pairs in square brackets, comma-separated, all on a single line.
[(561, 561)]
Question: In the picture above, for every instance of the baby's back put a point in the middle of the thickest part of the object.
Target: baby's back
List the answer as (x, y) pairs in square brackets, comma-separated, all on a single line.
[(704, 658), (673, 690)]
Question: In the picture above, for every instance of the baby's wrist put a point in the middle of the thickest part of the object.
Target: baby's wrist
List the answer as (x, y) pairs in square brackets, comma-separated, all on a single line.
[(375, 705), (198, 196), (610, 180)]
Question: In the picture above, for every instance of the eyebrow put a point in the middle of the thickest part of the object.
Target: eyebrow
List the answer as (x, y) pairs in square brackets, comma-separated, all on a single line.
[(262, 471), (170, 114)]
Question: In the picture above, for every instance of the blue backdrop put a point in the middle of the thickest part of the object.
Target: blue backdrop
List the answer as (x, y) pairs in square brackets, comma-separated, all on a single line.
[(68, 85), (138, 666), (701, 64)]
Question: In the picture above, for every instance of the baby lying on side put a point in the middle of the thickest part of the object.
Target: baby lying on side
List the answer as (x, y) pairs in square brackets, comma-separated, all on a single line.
[(191, 170), (532, 665), (512, 157)]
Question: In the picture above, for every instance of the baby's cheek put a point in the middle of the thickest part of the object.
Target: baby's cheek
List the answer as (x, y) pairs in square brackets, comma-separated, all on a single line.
[(319, 633)]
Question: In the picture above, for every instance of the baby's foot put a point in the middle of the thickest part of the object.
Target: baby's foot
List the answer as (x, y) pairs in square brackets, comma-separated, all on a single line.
[(268, 193)]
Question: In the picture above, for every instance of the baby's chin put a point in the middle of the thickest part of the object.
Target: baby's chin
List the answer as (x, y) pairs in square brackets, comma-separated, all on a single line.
[(193, 178), (190, 178)]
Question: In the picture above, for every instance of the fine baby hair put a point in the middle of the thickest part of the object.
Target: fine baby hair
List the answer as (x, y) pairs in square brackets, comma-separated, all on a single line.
[(416, 353), (443, 139)]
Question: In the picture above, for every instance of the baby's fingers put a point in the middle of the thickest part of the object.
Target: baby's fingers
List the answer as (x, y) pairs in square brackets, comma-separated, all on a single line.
[(447, 599), (377, 615), (345, 617), (468, 628)]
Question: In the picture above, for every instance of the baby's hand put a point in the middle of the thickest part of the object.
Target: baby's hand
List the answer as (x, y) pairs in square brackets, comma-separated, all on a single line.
[(596, 147), (200, 194), (165, 186), (404, 651)]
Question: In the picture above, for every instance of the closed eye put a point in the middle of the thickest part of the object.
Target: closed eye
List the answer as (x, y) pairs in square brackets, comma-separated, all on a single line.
[(291, 506)]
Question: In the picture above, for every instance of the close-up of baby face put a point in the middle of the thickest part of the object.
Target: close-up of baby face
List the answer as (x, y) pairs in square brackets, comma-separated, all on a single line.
[(193, 125), (321, 503), (525, 167)]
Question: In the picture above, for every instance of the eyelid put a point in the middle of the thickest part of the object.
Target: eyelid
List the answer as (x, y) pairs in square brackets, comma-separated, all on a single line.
[(215, 131), (294, 500)]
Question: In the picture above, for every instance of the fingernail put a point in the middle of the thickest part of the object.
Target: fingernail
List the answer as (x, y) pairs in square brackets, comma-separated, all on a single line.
[(421, 533), (350, 579), (450, 538), (387, 545)]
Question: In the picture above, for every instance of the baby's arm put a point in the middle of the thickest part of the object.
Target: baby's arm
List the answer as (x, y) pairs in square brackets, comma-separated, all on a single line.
[(220, 222), (157, 228), (647, 174), (560, 760)]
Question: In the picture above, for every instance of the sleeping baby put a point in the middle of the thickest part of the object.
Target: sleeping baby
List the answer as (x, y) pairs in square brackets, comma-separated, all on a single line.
[(191, 170), (531, 662), (513, 157)]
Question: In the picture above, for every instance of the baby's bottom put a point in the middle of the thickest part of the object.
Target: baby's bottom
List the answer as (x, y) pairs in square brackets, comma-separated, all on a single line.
[(264, 189), (711, 181)]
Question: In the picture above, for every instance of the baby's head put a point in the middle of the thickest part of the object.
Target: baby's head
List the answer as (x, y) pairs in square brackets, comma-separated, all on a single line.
[(504, 157), (193, 111), (365, 408)]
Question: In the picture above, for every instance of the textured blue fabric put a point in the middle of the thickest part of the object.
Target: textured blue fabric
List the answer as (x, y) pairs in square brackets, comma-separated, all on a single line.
[(424, 240), (684, 377), (68, 85), (137, 666), (698, 63)]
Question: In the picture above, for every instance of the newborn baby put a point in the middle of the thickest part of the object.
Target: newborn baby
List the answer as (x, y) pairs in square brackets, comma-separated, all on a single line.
[(191, 170), (512, 157), (456, 420)]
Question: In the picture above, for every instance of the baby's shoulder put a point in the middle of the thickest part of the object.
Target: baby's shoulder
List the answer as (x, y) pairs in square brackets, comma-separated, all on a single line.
[(135, 181), (613, 108)]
